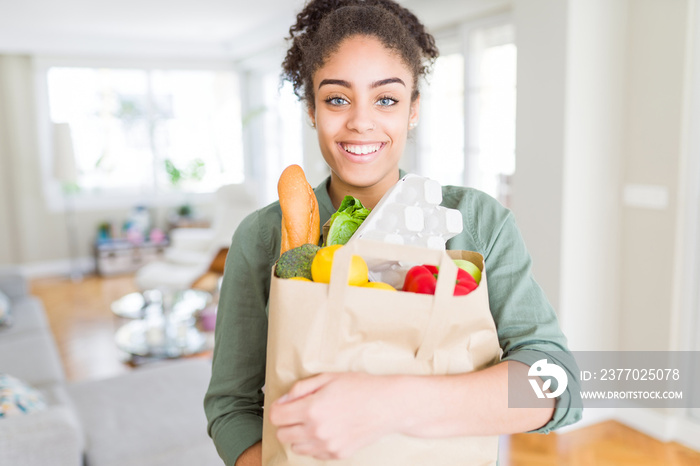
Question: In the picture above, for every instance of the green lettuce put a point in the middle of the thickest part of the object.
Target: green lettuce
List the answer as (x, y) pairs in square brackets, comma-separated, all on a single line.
[(346, 220)]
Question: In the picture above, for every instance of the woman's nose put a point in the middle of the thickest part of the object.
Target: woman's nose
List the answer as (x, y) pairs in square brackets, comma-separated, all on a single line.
[(360, 120)]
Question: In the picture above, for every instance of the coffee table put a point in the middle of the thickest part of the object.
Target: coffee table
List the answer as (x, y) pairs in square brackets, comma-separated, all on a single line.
[(161, 324), (184, 303)]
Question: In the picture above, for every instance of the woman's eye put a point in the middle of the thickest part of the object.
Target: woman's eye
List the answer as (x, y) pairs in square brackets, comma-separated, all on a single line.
[(387, 101), (336, 101)]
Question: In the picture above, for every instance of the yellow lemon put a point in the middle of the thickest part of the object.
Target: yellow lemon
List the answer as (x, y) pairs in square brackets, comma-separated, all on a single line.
[(301, 279), (323, 263), (379, 286)]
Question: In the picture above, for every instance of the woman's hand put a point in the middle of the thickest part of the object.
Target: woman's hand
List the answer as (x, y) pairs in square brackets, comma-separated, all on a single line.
[(332, 415)]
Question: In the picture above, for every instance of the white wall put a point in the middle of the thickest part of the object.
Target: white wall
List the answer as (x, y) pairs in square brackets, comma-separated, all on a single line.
[(657, 65), (687, 268), (541, 32), (601, 127), (600, 105), (593, 149)]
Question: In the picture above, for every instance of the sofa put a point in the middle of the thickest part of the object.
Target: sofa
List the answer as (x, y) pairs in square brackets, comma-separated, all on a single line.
[(152, 415)]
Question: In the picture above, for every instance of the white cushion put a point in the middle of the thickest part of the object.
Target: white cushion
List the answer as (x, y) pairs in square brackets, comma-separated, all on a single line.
[(193, 239), (48, 437), (168, 275), (27, 316), (187, 257), (32, 357), (153, 416)]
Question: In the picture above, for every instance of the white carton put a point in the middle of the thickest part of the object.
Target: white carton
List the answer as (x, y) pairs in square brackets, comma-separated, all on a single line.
[(409, 213)]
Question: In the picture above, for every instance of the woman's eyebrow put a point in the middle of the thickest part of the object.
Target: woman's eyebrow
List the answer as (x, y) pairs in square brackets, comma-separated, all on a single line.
[(384, 82), (339, 82), (375, 84)]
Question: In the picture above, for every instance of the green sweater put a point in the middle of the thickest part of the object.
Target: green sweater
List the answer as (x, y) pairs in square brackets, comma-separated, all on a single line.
[(524, 318)]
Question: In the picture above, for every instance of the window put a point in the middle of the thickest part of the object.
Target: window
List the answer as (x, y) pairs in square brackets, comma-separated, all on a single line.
[(467, 133), (272, 126), (491, 100), (441, 127), (283, 134), (149, 131)]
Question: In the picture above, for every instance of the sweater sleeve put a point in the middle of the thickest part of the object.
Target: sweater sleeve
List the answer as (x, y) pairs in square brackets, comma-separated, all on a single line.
[(233, 402), (527, 325)]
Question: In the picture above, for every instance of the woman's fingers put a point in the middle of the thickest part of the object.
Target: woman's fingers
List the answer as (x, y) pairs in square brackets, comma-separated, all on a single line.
[(287, 413), (292, 434), (292, 408), (302, 440), (311, 449), (332, 415), (306, 387)]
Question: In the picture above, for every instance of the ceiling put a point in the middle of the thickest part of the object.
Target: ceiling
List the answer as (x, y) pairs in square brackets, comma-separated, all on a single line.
[(185, 28)]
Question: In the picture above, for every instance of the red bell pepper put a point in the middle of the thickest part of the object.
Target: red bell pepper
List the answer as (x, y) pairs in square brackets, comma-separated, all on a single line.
[(465, 283), (423, 279)]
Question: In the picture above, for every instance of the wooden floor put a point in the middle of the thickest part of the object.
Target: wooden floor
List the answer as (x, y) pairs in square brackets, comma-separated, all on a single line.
[(84, 326)]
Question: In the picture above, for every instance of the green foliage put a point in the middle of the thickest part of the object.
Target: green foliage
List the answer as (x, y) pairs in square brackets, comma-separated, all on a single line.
[(346, 221), (194, 171), (184, 210)]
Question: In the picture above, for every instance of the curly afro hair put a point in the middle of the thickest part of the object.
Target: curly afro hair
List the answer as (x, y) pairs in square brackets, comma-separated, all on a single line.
[(323, 25)]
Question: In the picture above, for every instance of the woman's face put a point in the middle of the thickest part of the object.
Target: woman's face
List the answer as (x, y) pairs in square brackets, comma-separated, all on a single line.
[(362, 113)]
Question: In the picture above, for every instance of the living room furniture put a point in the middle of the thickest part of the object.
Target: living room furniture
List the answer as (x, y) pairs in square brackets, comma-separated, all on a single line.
[(120, 256), (151, 416), (185, 303), (193, 250), (161, 325)]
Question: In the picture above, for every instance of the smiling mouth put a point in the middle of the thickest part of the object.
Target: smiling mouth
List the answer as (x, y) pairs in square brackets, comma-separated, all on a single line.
[(362, 149)]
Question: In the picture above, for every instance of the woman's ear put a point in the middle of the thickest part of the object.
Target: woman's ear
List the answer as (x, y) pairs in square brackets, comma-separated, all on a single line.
[(414, 112), (312, 115)]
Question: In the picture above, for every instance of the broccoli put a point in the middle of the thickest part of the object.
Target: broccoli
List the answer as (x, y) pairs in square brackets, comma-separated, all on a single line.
[(296, 262)]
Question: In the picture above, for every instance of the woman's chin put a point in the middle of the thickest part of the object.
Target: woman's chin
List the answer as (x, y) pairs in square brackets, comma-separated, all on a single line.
[(363, 175)]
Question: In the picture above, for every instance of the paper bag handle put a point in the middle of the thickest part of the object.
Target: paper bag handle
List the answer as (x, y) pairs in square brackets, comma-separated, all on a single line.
[(379, 250)]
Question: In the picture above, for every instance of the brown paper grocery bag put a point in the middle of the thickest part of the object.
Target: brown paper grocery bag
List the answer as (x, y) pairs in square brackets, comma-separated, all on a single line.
[(314, 328)]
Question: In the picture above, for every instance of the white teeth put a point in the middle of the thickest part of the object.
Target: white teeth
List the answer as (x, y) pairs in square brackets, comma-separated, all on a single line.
[(361, 149)]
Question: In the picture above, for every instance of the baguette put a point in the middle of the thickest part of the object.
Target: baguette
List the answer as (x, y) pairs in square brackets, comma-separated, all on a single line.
[(300, 215)]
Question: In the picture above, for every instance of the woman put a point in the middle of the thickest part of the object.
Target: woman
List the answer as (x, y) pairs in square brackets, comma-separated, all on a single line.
[(357, 66)]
